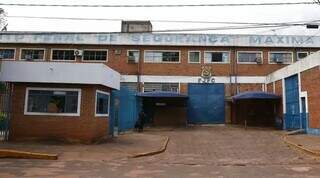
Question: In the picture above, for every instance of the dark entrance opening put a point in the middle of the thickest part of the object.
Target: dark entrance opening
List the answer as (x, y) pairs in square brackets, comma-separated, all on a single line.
[(164, 108), (256, 109)]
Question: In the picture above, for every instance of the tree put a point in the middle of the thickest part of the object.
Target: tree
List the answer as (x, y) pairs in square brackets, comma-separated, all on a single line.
[(3, 20)]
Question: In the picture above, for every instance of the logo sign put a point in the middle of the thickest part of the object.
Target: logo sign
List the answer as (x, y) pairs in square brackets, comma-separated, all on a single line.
[(206, 75)]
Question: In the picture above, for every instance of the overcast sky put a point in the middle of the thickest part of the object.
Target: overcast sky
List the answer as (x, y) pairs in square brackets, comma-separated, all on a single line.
[(270, 14)]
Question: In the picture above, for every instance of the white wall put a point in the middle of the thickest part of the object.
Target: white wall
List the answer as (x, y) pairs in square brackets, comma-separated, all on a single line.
[(59, 72)]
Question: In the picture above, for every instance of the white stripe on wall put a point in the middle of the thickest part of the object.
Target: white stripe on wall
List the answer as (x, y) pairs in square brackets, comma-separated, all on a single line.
[(192, 79)]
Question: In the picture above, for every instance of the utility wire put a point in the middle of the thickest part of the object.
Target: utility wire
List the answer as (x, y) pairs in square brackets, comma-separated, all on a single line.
[(163, 5), (166, 21), (170, 30)]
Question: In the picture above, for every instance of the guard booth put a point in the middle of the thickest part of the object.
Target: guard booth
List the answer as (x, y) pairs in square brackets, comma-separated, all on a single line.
[(164, 108), (256, 109)]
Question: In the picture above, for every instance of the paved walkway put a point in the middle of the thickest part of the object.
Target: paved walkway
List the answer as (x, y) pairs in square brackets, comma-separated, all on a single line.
[(219, 152)]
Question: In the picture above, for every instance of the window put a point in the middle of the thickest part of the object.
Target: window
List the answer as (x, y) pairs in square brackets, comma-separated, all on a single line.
[(249, 57), (301, 55), (216, 57), (133, 56), (92, 55), (102, 103), (52, 101), (280, 57), (7, 53), (32, 54), (194, 56), (132, 86), (174, 87), (63, 55), (162, 56)]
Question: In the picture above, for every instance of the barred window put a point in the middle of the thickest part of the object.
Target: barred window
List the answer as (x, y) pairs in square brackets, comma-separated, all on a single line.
[(91, 55), (216, 57), (194, 56), (301, 55), (132, 86), (249, 57), (63, 55), (32, 54), (7, 53), (162, 56), (148, 87), (280, 57)]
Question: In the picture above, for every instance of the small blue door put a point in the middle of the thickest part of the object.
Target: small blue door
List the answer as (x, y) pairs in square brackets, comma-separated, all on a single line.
[(304, 114), (292, 116), (206, 104)]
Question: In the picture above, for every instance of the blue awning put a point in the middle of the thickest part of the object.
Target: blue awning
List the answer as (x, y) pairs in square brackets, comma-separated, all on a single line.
[(255, 95), (162, 94)]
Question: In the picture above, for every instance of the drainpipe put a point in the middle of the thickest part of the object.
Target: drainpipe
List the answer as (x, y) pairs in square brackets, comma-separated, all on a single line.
[(139, 72)]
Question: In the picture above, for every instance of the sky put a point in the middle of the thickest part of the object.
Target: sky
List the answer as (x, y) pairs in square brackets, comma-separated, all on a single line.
[(268, 14)]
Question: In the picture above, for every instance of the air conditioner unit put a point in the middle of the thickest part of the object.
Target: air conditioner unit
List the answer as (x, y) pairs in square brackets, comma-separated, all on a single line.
[(259, 60), (78, 52), (131, 59), (279, 60)]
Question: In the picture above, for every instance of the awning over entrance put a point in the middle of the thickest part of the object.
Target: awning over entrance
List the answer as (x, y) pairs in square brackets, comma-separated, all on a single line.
[(162, 94), (254, 95), (256, 108)]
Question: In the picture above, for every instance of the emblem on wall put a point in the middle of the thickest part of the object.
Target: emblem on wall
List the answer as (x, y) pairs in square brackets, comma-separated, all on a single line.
[(206, 75)]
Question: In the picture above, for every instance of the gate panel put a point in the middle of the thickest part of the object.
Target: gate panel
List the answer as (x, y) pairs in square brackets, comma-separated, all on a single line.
[(206, 103), (292, 116), (5, 112), (126, 107)]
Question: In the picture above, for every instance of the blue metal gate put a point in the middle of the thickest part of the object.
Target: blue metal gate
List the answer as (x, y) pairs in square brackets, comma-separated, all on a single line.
[(206, 103), (292, 117), (125, 107), (5, 110)]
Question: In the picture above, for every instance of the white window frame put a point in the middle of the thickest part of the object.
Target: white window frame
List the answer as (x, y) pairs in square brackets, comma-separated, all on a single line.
[(107, 57), (14, 55), (193, 52), (52, 89), (61, 60), (308, 53), (95, 106), (144, 56), (44, 53), (239, 62), (269, 57), (204, 57), (134, 50)]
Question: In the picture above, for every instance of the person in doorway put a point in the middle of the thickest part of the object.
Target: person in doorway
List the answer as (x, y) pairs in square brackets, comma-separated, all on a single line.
[(140, 122)]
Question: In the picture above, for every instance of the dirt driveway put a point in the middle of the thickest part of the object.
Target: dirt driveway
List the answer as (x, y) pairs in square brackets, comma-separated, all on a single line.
[(219, 151)]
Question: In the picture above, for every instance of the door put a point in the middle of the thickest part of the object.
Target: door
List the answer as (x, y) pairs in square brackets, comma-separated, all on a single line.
[(206, 104), (292, 115), (304, 115)]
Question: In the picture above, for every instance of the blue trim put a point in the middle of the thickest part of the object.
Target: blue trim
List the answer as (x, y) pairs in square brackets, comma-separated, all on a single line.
[(312, 131)]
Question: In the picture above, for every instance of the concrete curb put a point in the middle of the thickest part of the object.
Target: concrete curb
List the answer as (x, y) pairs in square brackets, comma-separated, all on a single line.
[(4, 153), (150, 153), (302, 148)]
